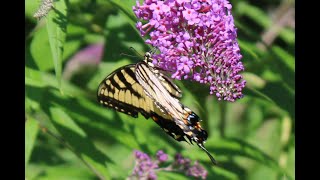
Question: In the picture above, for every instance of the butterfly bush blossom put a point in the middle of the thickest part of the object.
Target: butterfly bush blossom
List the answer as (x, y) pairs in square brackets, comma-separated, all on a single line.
[(196, 40), (146, 168)]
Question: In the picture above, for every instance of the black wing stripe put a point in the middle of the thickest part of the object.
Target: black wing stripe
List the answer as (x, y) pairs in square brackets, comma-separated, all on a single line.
[(177, 92), (148, 83), (144, 75), (113, 82), (118, 106), (147, 79), (122, 92), (130, 72), (126, 83), (154, 87), (172, 88)]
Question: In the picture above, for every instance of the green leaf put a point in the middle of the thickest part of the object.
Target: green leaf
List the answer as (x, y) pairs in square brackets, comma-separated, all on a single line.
[(31, 7), (40, 50), (172, 175), (34, 78), (290, 169), (62, 119), (57, 29), (122, 35), (263, 19), (221, 173), (254, 81), (258, 94), (256, 14), (104, 69), (282, 95), (249, 49), (80, 143), (126, 7), (31, 132), (38, 79), (97, 120), (40, 47), (285, 57), (288, 35), (61, 172), (235, 147)]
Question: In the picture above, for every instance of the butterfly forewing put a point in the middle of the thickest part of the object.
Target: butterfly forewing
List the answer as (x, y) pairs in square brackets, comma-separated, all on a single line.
[(170, 86), (121, 91), (154, 88)]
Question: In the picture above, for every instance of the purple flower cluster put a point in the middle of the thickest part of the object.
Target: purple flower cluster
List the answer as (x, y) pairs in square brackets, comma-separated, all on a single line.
[(146, 168), (196, 40), (184, 164)]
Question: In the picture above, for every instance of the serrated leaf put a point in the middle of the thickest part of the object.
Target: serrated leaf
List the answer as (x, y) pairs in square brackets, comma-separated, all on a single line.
[(31, 132), (57, 29)]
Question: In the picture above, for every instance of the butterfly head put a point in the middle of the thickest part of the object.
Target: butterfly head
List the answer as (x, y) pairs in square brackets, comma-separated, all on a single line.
[(148, 59), (147, 55)]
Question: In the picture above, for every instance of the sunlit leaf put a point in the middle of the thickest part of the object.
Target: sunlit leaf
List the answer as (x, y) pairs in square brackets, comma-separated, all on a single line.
[(57, 29), (32, 128)]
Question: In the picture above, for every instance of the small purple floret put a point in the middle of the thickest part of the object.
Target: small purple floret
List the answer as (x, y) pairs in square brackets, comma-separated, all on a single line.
[(161, 156)]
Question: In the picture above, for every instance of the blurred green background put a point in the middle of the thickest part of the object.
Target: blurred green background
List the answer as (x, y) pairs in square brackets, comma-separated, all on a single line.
[(70, 136)]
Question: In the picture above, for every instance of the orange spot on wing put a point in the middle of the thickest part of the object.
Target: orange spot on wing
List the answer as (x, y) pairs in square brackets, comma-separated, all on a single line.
[(154, 118)]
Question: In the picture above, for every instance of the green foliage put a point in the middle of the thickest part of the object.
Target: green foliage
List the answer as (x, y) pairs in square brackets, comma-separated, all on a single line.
[(30, 137), (70, 136)]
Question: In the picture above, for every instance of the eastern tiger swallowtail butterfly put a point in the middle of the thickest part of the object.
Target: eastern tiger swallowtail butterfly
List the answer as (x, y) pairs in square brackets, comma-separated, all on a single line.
[(142, 88)]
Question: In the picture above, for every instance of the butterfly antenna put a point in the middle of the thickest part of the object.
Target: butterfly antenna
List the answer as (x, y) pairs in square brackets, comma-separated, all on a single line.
[(210, 156), (134, 50), (152, 51), (129, 55)]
